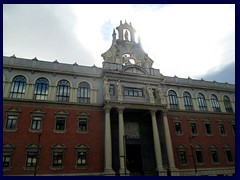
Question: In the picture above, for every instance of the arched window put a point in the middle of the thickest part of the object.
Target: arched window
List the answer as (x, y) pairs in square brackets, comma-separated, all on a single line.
[(84, 92), (187, 101), (63, 90), (18, 88), (215, 104), (202, 102), (41, 89), (173, 102), (227, 104)]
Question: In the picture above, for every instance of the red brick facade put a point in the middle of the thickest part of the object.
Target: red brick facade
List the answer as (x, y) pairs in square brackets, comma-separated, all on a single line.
[(20, 139), (202, 139)]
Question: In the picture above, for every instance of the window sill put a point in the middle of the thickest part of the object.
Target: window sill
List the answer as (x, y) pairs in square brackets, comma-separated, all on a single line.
[(30, 168), (82, 132), (7, 168), (81, 167), (59, 131), (56, 168), (35, 131), (10, 130)]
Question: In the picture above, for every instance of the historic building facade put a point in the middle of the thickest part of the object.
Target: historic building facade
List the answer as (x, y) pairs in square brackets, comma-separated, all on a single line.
[(124, 118)]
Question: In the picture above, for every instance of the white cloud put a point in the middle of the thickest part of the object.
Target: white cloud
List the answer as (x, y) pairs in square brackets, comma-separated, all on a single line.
[(183, 40)]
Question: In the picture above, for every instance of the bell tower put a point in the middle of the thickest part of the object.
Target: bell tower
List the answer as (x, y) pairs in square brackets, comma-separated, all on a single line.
[(125, 54)]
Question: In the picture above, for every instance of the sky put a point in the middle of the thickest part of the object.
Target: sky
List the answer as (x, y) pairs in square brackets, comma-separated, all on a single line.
[(186, 40)]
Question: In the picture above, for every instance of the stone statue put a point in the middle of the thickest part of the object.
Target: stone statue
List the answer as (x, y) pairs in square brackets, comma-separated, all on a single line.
[(161, 96), (106, 89), (119, 91), (126, 60), (150, 93), (126, 36)]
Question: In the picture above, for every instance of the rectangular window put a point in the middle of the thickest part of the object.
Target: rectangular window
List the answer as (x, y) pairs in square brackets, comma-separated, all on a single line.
[(229, 155), (193, 127), (178, 127), (31, 159), (133, 92), (199, 157), (82, 124), (221, 129), (11, 122), (57, 159), (60, 123), (81, 159), (111, 89), (36, 123), (208, 129), (6, 160), (214, 156), (182, 157)]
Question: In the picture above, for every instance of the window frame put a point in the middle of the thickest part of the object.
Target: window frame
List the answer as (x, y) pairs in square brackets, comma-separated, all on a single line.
[(222, 129), (190, 127), (62, 116), (12, 112), (227, 104), (65, 86), (202, 103), (82, 149), (214, 154), (205, 123), (86, 117), (173, 100), (182, 158), (227, 149), (198, 151), (32, 151), (39, 114), (215, 103), (177, 123), (44, 88), (58, 151), (133, 92), (187, 99), (15, 92), (84, 91), (112, 90), (8, 150)]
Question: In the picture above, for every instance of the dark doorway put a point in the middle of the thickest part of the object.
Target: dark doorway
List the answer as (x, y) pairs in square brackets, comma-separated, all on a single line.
[(134, 159)]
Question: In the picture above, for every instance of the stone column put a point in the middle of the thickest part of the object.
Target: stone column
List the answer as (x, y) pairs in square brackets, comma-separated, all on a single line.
[(121, 142), (157, 147), (108, 143), (172, 168)]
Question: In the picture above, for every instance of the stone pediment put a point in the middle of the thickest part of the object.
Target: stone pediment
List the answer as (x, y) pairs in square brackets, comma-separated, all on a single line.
[(135, 70)]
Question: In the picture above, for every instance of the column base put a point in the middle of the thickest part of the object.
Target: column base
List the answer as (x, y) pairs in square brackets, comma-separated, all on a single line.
[(174, 171), (161, 171), (123, 173), (109, 172)]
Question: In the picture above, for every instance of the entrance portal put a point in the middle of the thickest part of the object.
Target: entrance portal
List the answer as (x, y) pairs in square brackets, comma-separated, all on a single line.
[(134, 159)]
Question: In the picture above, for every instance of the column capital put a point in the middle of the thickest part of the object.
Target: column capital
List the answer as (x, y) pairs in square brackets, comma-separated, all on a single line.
[(153, 111), (165, 111), (107, 108), (120, 109)]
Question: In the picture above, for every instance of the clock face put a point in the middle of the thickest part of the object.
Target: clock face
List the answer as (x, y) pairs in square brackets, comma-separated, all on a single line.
[(109, 54)]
